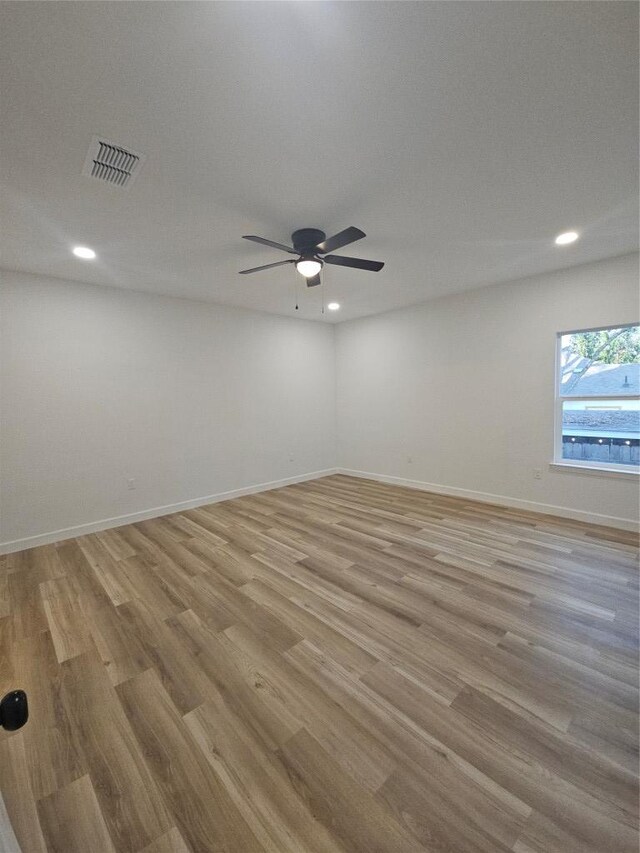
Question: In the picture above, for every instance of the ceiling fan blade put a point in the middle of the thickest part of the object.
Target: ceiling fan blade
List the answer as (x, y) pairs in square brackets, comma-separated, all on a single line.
[(349, 235), (314, 281), (266, 267), (266, 242), (356, 263)]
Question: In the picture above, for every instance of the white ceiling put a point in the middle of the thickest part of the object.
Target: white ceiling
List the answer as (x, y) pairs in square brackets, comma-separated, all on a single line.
[(462, 137)]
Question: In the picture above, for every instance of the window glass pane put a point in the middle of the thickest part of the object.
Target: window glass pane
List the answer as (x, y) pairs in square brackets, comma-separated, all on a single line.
[(605, 431), (601, 363)]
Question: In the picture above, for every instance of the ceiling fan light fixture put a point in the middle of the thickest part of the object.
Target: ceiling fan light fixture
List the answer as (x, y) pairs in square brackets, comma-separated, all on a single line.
[(308, 267)]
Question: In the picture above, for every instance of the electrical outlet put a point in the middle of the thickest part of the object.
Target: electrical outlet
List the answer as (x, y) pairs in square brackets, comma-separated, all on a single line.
[(131, 483), (537, 473)]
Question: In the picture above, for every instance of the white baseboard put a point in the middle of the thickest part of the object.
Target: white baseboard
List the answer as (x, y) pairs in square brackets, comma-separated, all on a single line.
[(500, 500), (155, 512)]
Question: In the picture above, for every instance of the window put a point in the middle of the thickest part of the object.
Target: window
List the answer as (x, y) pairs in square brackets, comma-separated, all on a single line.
[(598, 398)]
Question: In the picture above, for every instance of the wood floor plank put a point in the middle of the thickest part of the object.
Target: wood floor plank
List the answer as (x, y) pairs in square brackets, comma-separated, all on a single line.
[(67, 625), (342, 737), (181, 675), (105, 568), (147, 586), (118, 547), (336, 665), (492, 814), (5, 601), (199, 802), (27, 610), (18, 796), (529, 736), (439, 820), (533, 783), (249, 697), (170, 842), (120, 650), (52, 754), (129, 799), (360, 822), (308, 626), (256, 782), (90, 594), (72, 820), (273, 631), (542, 835)]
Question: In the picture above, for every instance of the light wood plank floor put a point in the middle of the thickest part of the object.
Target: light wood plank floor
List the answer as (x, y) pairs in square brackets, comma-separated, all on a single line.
[(338, 665)]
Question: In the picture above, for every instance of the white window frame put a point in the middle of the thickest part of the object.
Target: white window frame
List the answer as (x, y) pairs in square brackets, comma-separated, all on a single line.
[(584, 465)]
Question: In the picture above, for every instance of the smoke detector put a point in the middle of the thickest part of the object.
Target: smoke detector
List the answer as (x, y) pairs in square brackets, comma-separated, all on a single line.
[(114, 164)]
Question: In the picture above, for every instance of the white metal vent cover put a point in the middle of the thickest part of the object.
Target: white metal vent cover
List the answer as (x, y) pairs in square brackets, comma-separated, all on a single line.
[(112, 163)]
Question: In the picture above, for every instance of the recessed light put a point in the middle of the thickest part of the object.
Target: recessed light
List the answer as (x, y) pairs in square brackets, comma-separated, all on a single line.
[(84, 252), (333, 306), (566, 238)]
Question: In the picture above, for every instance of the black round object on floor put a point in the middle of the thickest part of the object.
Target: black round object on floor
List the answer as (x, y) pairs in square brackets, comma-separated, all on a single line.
[(14, 710)]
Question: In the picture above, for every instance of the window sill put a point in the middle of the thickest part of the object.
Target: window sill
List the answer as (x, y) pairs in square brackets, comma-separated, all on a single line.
[(596, 470)]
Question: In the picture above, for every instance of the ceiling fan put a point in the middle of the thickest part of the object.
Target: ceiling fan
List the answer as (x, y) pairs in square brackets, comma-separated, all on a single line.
[(311, 245)]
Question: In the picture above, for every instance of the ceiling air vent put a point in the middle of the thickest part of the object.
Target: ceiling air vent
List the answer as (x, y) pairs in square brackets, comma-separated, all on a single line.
[(112, 163)]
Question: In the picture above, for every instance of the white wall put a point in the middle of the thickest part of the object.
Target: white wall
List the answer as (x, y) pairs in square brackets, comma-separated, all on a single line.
[(192, 400), (476, 370), (100, 385)]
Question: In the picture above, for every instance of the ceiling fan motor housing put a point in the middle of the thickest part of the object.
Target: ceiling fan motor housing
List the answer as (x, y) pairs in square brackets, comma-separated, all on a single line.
[(304, 240)]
